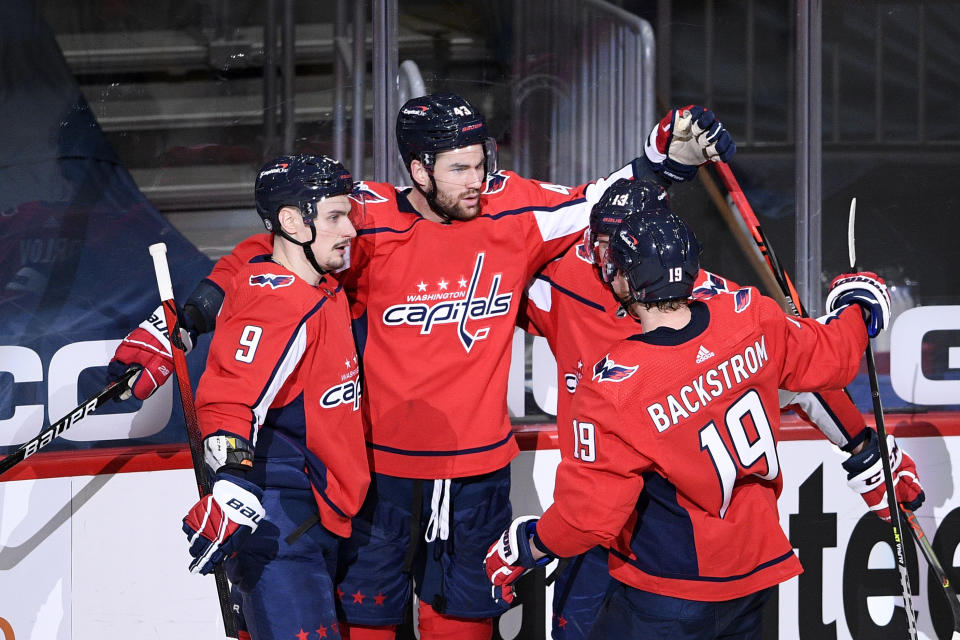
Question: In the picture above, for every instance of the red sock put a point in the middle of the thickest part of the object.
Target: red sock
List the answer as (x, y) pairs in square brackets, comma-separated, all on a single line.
[(366, 632), (436, 626)]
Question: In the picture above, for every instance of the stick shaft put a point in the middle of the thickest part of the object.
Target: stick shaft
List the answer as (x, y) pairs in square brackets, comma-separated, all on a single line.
[(194, 436), (750, 218), (934, 563), (895, 522), (58, 428)]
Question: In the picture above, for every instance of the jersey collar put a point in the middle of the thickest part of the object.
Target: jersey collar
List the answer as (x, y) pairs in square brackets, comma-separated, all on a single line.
[(667, 337)]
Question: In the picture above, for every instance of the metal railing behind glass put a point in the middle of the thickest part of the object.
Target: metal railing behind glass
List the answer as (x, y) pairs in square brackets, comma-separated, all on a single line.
[(584, 95)]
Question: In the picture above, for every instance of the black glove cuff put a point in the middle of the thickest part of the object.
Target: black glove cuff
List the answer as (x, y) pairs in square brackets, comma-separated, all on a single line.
[(867, 457)]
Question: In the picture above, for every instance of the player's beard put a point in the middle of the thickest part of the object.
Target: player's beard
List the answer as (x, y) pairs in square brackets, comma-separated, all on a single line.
[(337, 260), (452, 207), (333, 260)]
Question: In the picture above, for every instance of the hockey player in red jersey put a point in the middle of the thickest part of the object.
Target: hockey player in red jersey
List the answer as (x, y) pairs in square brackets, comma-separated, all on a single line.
[(569, 305), (674, 474), (279, 404), (435, 277)]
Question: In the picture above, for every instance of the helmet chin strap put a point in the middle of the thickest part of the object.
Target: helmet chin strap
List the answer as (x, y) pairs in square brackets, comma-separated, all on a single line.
[(431, 197), (307, 248)]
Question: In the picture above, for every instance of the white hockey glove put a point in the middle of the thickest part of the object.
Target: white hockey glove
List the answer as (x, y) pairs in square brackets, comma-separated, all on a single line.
[(685, 139), (866, 289), (865, 476), (219, 524), (510, 557), (148, 348)]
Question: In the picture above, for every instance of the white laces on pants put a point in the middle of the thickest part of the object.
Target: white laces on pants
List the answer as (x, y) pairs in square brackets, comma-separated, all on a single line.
[(439, 524)]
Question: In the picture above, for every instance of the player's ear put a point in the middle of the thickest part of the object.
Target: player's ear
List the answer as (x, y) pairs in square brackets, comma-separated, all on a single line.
[(419, 173), (290, 219)]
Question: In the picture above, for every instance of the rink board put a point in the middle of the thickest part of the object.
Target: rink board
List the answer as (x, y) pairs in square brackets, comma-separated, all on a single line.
[(101, 555)]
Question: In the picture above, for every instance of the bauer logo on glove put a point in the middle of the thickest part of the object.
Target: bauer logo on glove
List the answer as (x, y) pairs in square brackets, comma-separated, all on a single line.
[(219, 524)]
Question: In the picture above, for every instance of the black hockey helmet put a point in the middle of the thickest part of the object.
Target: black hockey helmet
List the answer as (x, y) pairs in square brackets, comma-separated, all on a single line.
[(657, 253), (299, 181), (620, 199), (439, 122)]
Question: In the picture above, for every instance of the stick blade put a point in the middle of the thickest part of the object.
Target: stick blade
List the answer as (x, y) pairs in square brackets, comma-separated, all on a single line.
[(851, 238)]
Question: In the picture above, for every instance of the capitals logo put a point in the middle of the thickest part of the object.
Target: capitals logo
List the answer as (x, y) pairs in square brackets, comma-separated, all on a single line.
[(607, 369), (741, 300), (271, 280), (363, 194), (471, 307), (710, 287), (496, 182)]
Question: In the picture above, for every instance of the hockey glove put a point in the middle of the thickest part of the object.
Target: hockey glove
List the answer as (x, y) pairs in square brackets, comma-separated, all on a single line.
[(510, 557), (147, 347), (865, 476), (685, 139), (219, 523), (866, 289)]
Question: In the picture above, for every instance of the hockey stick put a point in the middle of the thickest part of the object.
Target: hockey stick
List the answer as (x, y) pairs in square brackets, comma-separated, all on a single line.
[(934, 563), (750, 218), (895, 522), (114, 389), (786, 285), (159, 253)]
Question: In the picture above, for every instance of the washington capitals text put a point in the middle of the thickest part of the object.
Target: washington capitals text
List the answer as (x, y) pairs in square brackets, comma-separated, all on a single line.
[(455, 311)]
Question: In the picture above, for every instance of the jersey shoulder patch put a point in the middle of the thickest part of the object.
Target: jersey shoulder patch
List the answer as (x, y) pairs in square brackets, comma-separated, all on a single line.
[(711, 285), (272, 280), (606, 370), (742, 299), (496, 182), (364, 193)]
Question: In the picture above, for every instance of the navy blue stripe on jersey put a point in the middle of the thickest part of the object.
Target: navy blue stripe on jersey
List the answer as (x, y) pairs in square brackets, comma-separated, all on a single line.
[(359, 327), (513, 212), (282, 458), (571, 294), (452, 452), (760, 567), (663, 540), (825, 407), (265, 257), (366, 232), (495, 216), (665, 336)]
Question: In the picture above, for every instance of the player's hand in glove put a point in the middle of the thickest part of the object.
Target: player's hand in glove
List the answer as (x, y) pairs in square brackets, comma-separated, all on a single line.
[(220, 522), (865, 476), (866, 289), (511, 556), (685, 139), (148, 348)]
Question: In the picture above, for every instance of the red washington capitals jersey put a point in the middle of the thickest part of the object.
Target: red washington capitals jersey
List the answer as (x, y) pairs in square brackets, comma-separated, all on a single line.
[(436, 306), (680, 477), (283, 374), (569, 306)]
